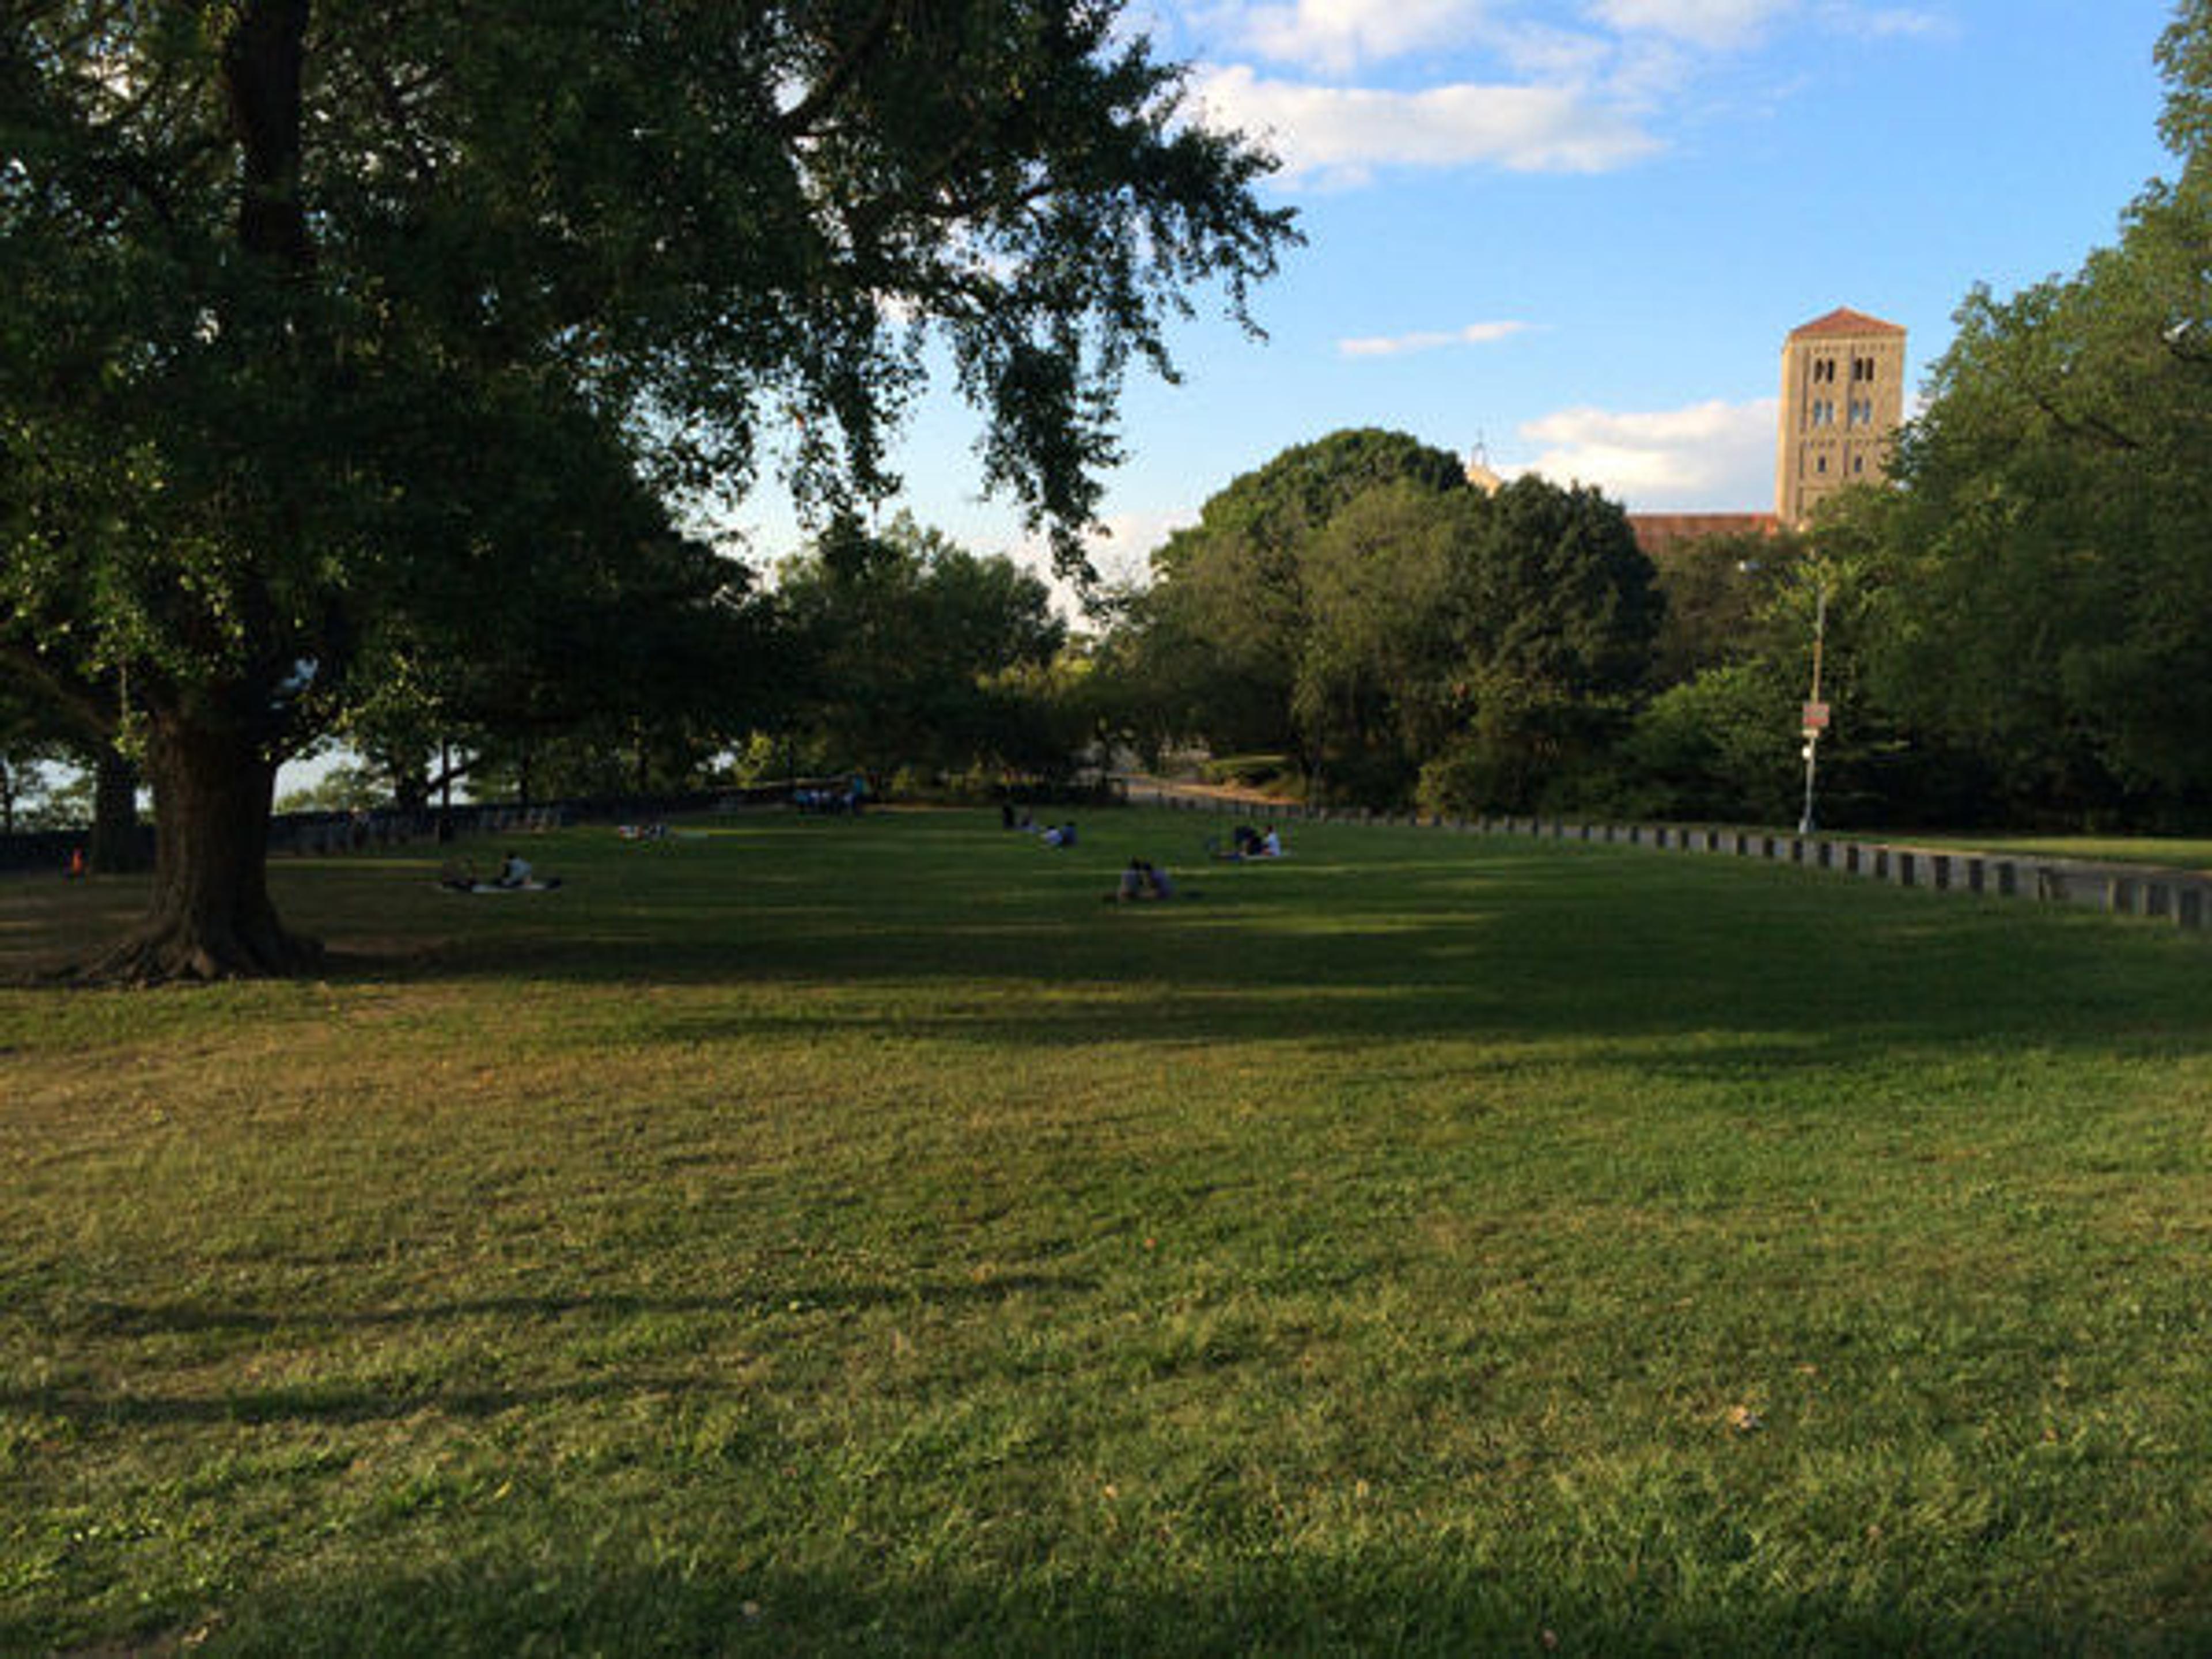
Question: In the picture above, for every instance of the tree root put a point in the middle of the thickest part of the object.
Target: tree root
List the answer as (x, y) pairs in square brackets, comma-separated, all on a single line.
[(170, 953)]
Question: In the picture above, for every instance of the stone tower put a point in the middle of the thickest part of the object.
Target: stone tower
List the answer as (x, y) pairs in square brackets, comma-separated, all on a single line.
[(1843, 396)]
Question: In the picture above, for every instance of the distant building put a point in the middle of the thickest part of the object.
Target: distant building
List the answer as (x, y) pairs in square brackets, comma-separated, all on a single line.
[(1478, 473), (1843, 398), (1660, 533)]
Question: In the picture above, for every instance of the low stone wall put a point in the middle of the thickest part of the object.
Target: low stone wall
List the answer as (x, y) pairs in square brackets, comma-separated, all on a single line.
[(2180, 898)]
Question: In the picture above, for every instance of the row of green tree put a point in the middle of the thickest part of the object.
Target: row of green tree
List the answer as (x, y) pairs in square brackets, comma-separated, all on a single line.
[(887, 651)]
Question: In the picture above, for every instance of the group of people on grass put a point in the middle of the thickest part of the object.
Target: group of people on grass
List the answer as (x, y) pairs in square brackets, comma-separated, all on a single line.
[(515, 875), (1052, 834), (851, 799), (1247, 842), (1142, 880)]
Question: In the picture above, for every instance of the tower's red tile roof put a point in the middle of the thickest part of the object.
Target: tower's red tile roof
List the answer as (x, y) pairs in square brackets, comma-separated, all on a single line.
[(1660, 533), (1845, 320)]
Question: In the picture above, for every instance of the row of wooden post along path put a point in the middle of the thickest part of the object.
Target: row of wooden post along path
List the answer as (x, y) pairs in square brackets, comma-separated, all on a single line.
[(2181, 898)]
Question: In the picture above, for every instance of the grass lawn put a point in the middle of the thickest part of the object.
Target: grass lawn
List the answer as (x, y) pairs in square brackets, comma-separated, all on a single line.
[(855, 1237)]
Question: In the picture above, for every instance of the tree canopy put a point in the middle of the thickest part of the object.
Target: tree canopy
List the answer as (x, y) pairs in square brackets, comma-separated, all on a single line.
[(903, 647), (324, 320), (1227, 617), (1356, 602)]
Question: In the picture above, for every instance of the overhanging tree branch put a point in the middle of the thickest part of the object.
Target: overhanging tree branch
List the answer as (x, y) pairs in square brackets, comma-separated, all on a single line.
[(799, 119)]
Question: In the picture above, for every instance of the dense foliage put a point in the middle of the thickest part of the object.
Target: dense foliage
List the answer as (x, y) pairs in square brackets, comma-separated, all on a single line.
[(1357, 604), (2049, 602), (909, 651)]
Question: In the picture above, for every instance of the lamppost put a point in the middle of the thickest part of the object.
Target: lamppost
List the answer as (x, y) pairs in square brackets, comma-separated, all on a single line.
[(1816, 711)]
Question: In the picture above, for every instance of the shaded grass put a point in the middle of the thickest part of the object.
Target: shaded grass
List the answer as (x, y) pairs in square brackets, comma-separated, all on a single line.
[(856, 1236)]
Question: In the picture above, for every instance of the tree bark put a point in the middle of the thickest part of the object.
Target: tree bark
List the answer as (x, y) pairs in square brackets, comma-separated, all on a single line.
[(118, 844), (264, 59), (210, 917), (411, 786)]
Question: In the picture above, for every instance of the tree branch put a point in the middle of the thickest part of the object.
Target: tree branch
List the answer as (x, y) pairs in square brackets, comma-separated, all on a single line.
[(82, 704), (801, 116), (2088, 426)]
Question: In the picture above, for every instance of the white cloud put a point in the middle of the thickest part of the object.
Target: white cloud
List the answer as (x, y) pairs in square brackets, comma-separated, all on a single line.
[(1711, 456), (1556, 57), (1715, 25), (1400, 345), (1335, 35), (1340, 135), (1887, 23)]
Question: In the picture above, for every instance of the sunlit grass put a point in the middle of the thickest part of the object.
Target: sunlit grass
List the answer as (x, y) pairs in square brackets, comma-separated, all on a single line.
[(858, 1236)]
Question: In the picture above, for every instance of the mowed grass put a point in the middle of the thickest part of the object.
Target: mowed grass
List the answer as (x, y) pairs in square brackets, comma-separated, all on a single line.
[(856, 1238)]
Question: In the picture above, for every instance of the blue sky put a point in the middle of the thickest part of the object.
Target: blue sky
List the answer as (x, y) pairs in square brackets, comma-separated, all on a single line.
[(1575, 231)]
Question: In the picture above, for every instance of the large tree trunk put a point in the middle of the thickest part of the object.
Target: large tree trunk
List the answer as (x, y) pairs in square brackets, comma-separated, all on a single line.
[(118, 845), (210, 917), (411, 786)]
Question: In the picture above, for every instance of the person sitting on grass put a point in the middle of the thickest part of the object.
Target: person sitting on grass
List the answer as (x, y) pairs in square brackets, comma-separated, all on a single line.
[(1271, 845), (1060, 835), (460, 875), (514, 871), (1141, 882)]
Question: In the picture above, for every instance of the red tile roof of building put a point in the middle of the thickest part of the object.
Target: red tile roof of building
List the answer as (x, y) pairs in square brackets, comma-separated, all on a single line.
[(1660, 533), (1845, 320)]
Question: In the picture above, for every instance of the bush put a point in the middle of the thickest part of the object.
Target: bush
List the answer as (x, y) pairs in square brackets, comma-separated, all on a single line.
[(1722, 746)]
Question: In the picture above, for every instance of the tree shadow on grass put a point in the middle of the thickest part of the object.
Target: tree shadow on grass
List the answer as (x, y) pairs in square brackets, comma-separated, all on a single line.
[(1882, 994), (129, 1318), (1266, 1597), (342, 1402)]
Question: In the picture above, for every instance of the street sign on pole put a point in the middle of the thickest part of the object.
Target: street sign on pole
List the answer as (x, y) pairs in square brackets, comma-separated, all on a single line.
[(1816, 718)]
